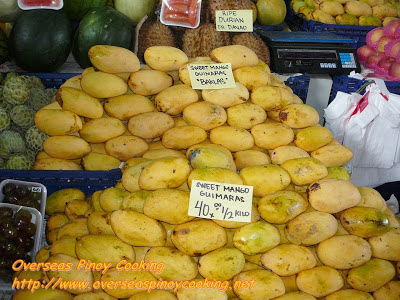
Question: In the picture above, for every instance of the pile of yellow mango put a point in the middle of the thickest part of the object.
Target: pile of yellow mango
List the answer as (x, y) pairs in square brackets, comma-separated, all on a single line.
[(347, 12), (312, 234)]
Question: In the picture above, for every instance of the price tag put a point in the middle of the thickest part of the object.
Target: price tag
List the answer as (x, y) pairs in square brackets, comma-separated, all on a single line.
[(234, 20), (220, 201), (36, 189), (211, 76)]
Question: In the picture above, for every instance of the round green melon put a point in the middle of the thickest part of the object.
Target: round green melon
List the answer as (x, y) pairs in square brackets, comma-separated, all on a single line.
[(271, 12), (76, 9), (40, 40), (101, 26)]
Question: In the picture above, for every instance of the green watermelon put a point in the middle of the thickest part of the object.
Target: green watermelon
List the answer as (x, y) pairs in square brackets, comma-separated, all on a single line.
[(101, 26), (3, 47), (76, 9)]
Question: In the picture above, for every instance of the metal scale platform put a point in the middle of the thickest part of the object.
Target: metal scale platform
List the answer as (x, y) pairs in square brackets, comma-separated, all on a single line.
[(310, 52)]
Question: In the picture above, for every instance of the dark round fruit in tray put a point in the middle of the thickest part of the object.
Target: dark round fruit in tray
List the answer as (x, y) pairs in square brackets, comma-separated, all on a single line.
[(6, 212), (7, 247), (31, 230), (19, 253), (10, 199), (9, 188), (9, 232), (21, 222), (23, 212), (22, 191)]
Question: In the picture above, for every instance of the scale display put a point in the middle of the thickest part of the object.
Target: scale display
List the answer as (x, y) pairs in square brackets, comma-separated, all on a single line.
[(307, 52)]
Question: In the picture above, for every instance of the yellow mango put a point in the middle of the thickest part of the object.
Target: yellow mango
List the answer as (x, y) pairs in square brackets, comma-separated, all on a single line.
[(64, 246), (305, 170), (271, 98), (384, 10), (174, 99), (281, 154), (178, 265), (74, 82), (238, 55), (150, 125), (333, 155), (227, 97), (149, 82), (79, 102), (344, 294), (99, 162), (137, 229), (357, 8), (113, 59), (234, 139), (56, 221), (154, 295), (57, 122), (66, 147), (312, 138), (299, 116), (255, 216), (208, 146), (125, 107), (104, 249), (41, 294), (205, 115), (198, 237), (126, 147), (165, 58), (103, 85), (168, 172), (245, 115), (272, 135), (76, 209), (252, 77), (168, 205), (371, 198), (248, 158), (331, 7), (261, 283), (99, 222), (55, 164), (130, 177), (333, 195), (265, 179), (110, 199), (101, 130), (183, 137), (210, 158)]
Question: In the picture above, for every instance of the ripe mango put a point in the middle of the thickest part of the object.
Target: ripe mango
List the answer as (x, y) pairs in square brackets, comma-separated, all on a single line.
[(358, 8), (245, 115), (227, 97), (66, 147), (99, 162), (238, 55), (252, 77), (384, 10), (369, 21), (126, 106), (55, 164), (323, 17), (149, 82), (346, 19), (331, 7), (79, 102), (271, 98), (205, 115), (103, 85), (174, 99), (57, 122), (165, 58), (112, 59), (126, 147), (201, 158), (101, 130)]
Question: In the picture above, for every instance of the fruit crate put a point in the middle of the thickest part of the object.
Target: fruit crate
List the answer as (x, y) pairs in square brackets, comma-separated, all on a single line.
[(357, 33), (50, 80), (348, 84), (299, 84), (87, 181)]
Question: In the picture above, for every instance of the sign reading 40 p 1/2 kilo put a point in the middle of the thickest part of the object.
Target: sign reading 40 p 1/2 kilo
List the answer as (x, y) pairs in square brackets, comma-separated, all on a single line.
[(220, 201)]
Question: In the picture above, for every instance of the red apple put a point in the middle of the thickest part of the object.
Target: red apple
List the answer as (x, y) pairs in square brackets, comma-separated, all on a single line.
[(394, 71), (382, 42), (373, 59), (374, 36), (383, 65), (364, 51), (391, 27)]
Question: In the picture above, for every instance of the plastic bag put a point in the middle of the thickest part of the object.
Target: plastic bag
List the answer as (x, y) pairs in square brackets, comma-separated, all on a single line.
[(370, 126), (185, 13)]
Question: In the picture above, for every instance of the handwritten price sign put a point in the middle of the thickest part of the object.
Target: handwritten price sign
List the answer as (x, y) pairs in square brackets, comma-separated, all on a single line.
[(220, 201)]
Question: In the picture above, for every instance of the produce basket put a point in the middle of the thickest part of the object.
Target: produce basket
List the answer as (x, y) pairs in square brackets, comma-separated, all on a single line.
[(87, 181), (348, 84), (357, 33), (299, 85)]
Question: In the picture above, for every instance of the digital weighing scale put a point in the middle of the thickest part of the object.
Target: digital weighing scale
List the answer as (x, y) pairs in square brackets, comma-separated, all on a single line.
[(310, 52)]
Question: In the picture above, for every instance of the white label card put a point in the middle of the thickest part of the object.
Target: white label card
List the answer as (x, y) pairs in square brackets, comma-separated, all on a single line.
[(234, 20), (220, 201), (211, 76)]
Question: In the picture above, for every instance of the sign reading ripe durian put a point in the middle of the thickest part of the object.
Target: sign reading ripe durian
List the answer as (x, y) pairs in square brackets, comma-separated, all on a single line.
[(234, 20)]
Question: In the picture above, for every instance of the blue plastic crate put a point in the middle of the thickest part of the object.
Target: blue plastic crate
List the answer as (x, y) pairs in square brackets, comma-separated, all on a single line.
[(348, 84), (357, 33), (278, 27), (87, 181), (299, 84), (50, 80)]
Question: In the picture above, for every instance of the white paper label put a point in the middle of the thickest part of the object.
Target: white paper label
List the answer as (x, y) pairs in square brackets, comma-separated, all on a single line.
[(234, 20), (36, 189), (211, 76), (220, 201)]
